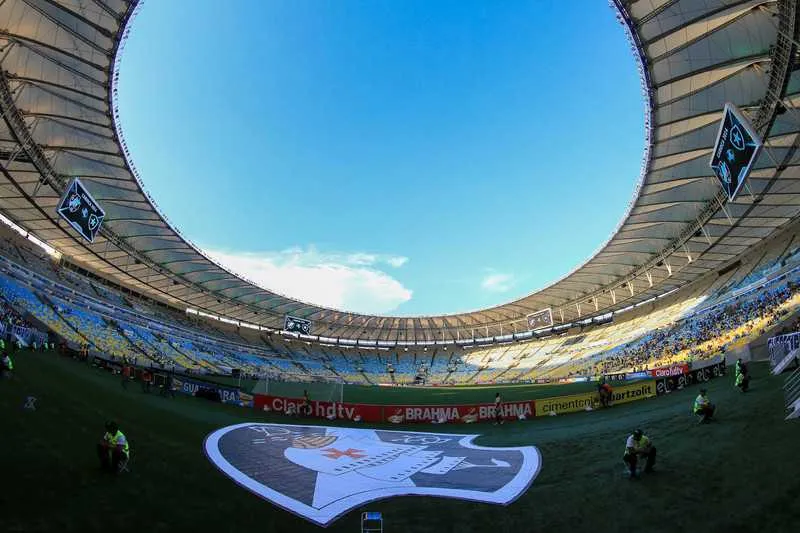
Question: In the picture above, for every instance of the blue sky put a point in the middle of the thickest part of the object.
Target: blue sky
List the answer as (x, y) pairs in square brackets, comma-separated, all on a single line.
[(393, 157)]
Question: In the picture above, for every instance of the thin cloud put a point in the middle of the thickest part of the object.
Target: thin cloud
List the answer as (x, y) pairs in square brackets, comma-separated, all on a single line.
[(343, 281), (496, 282), (362, 259), (397, 261)]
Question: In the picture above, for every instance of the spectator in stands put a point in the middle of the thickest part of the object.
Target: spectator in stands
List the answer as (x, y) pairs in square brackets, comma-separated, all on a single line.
[(113, 451), (498, 409), (703, 407), (705, 334), (639, 445), (6, 365)]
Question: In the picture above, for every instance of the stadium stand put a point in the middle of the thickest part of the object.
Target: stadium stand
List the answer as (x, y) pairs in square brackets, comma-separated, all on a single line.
[(699, 321)]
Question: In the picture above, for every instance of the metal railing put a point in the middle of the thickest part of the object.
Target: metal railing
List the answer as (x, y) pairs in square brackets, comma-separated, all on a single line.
[(791, 390), (28, 335), (780, 346)]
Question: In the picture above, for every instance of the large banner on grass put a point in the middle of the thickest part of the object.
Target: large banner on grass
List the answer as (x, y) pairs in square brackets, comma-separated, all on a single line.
[(591, 400), (320, 473)]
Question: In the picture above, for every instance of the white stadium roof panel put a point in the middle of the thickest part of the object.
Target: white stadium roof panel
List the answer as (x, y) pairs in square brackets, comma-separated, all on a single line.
[(57, 94)]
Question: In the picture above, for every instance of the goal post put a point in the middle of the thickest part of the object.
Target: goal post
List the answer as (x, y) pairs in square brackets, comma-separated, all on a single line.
[(317, 390)]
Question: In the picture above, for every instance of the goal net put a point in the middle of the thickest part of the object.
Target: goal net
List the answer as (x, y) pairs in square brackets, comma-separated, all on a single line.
[(319, 391)]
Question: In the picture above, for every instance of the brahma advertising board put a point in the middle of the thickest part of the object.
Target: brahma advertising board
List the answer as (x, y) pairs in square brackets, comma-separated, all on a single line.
[(467, 414)]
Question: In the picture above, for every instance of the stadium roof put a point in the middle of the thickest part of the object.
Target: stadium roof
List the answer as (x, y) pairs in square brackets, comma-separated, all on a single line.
[(60, 63)]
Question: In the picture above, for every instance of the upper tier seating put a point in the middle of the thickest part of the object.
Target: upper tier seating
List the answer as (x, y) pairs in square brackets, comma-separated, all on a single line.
[(699, 321)]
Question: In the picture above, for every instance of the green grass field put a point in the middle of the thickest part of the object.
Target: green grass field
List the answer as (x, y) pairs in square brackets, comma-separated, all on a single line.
[(413, 395), (739, 474), (456, 395)]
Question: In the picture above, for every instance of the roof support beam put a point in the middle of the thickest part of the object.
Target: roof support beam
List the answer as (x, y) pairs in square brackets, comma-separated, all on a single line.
[(77, 16), (77, 35)]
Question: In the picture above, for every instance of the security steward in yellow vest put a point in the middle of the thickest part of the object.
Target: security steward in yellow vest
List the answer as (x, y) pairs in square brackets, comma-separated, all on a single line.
[(113, 451), (703, 407), (6, 364), (639, 445)]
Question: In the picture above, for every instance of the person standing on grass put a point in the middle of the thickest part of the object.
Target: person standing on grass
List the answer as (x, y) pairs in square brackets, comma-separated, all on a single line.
[(305, 409), (127, 371), (6, 365), (605, 392), (498, 409), (146, 378), (169, 384), (742, 376), (639, 445)]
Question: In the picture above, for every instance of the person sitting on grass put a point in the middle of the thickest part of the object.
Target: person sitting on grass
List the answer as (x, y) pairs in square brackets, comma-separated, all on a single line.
[(113, 451), (703, 407), (639, 445)]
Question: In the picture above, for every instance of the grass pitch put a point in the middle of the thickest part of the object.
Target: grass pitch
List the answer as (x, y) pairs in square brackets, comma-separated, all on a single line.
[(739, 474), (461, 394), (416, 395)]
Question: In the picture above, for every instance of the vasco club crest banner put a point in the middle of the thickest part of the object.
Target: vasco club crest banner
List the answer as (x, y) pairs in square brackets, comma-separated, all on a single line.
[(735, 151), (322, 472), (82, 211)]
